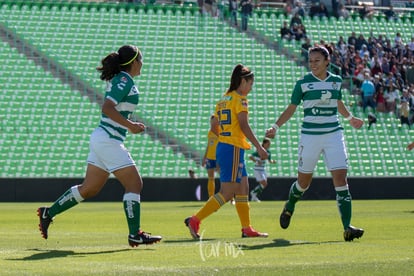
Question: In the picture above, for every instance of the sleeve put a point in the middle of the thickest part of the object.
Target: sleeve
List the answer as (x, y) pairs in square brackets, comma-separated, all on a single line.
[(296, 97), (120, 87), (242, 105)]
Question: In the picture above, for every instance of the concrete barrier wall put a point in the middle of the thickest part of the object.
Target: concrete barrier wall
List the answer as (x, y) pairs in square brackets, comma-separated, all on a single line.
[(177, 189)]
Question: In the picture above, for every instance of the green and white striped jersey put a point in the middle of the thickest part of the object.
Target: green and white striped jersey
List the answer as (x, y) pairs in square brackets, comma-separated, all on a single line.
[(320, 103), (123, 92)]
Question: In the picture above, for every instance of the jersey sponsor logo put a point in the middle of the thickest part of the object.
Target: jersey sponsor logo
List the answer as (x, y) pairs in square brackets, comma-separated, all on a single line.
[(316, 111), (244, 102)]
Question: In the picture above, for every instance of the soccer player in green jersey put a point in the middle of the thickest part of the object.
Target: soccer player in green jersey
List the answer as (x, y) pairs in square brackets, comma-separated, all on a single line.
[(260, 170), (107, 151), (320, 92)]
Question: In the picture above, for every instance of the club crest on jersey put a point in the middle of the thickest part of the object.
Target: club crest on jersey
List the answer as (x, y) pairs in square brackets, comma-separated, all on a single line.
[(335, 86), (134, 91)]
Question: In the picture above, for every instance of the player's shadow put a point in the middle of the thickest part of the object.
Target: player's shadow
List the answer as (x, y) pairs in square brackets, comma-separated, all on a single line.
[(282, 243), (50, 254)]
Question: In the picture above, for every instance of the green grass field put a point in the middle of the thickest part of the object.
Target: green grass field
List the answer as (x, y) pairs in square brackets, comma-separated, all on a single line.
[(91, 239)]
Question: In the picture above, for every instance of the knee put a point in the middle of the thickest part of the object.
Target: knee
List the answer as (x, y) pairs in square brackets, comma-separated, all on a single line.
[(86, 192)]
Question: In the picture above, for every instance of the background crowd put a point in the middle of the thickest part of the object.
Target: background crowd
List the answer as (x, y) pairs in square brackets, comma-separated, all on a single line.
[(380, 68)]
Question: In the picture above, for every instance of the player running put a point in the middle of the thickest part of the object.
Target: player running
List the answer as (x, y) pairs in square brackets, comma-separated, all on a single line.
[(260, 170), (107, 151)]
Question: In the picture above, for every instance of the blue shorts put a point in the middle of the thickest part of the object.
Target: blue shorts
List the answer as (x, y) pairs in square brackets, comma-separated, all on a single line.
[(211, 164), (231, 162)]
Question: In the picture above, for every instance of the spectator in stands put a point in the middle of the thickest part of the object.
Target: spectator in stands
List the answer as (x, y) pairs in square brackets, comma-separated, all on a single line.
[(298, 9), (233, 11), (391, 96), (390, 14), (232, 112), (305, 48), (246, 11), (385, 66), (322, 10), (285, 32), (210, 7), (409, 4), (296, 20), (379, 99), (107, 151), (200, 4), (364, 51), (409, 74), (298, 32), (288, 7), (368, 92), (326, 137), (406, 101), (360, 41), (366, 11), (411, 104), (352, 39), (343, 12), (376, 67)]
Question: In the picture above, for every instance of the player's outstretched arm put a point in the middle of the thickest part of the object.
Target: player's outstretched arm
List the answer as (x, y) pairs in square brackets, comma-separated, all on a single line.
[(283, 118)]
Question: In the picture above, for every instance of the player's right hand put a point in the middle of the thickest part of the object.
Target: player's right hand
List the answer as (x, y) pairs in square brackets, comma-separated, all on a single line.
[(136, 127)]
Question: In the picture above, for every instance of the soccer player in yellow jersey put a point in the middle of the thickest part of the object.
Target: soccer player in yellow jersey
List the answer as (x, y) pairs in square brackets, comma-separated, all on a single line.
[(209, 160), (234, 131)]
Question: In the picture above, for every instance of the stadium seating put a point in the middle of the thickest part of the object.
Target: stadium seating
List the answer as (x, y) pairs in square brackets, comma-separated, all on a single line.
[(187, 66)]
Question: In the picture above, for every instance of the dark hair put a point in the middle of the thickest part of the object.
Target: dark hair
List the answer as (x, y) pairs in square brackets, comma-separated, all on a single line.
[(265, 141), (115, 62), (325, 50), (239, 72)]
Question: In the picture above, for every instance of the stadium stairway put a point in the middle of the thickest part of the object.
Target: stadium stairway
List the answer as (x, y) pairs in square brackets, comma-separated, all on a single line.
[(189, 62)]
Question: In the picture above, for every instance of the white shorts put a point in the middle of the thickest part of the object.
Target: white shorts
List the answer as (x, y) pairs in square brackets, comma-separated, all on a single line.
[(260, 175), (106, 153), (331, 146)]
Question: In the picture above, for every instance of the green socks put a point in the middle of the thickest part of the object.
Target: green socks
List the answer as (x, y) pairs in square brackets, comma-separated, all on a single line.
[(69, 199), (258, 189), (344, 201), (295, 194), (132, 208)]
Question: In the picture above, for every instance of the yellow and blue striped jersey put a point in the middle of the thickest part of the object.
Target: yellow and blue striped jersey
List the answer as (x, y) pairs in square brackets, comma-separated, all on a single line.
[(227, 109)]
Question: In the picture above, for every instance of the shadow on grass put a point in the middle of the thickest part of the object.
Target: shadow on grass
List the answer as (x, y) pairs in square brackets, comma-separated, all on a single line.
[(50, 254), (282, 243), (189, 240)]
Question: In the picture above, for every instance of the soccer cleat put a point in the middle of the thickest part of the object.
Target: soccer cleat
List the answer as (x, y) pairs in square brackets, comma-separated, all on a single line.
[(254, 197), (249, 232), (193, 224), (352, 232), (142, 238), (285, 217), (45, 220)]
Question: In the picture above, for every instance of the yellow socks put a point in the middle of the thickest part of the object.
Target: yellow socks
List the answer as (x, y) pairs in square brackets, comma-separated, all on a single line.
[(211, 186), (243, 209), (213, 204)]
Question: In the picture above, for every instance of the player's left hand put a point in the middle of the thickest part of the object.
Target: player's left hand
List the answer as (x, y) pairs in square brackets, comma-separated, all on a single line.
[(356, 122)]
